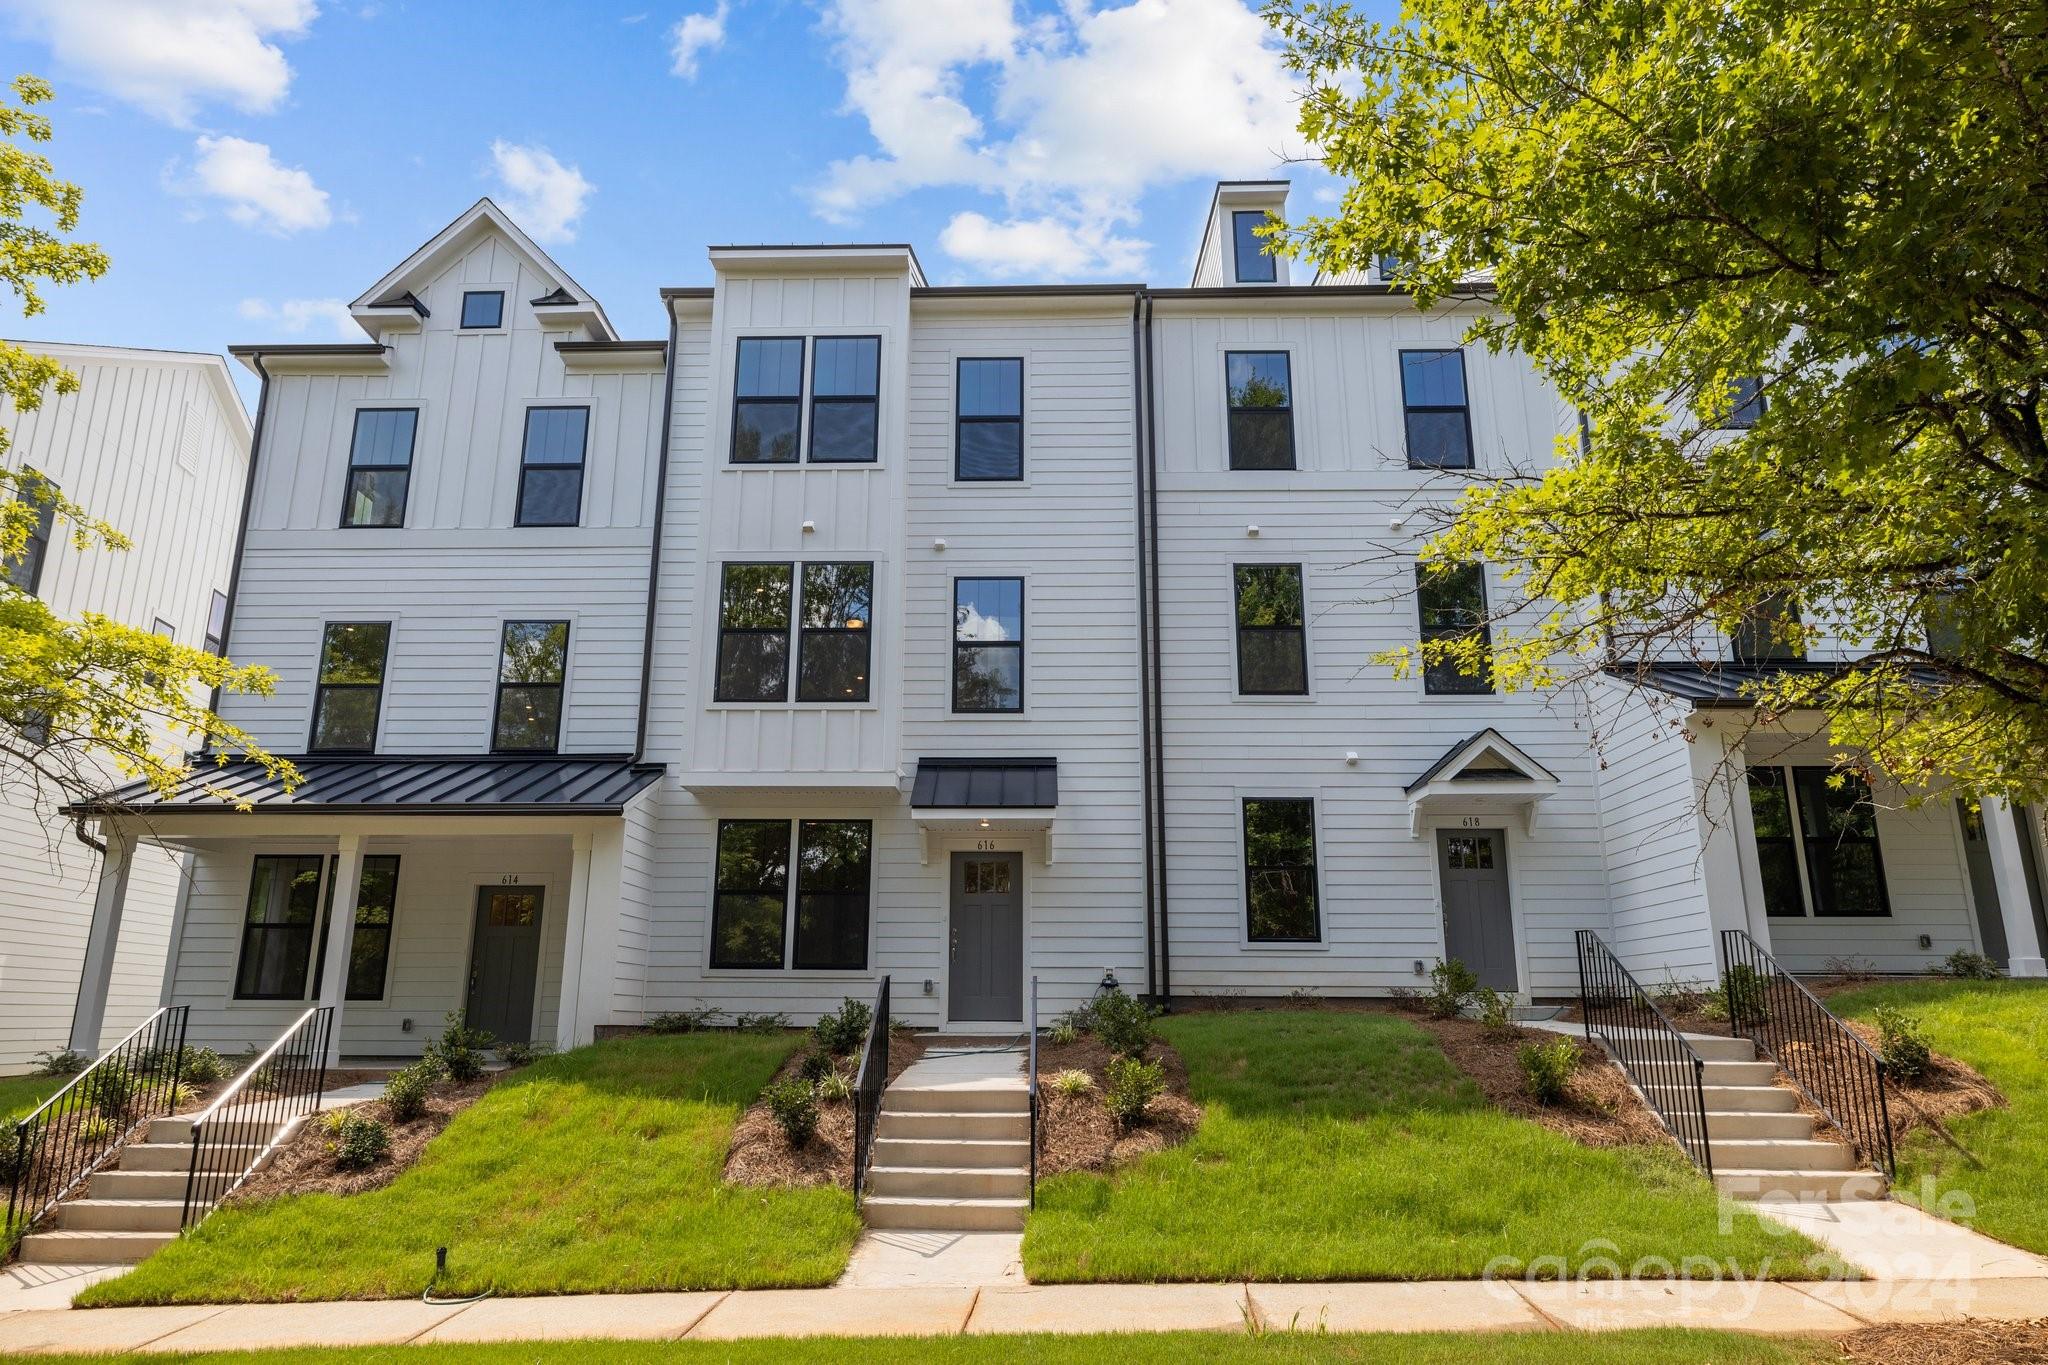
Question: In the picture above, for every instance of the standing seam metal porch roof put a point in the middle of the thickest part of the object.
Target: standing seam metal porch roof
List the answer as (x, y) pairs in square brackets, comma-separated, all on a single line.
[(986, 783), (551, 784), (1734, 683)]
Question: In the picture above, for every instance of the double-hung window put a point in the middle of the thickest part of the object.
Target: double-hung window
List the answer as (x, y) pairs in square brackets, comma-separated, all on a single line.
[(277, 927), (26, 573), (350, 688), (757, 603), (217, 624), (1438, 419), (369, 953), (551, 466), (988, 433), (533, 659), (755, 918), (1817, 844), (832, 894), (834, 649), (1280, 871), (753, 633), (768, 400), (1272, 640), (988, 644), (1769, 633), (1261, 389), (1254, 266), (845, 379), (483, 308), (379, 467), (1451, 603), (752, 893)]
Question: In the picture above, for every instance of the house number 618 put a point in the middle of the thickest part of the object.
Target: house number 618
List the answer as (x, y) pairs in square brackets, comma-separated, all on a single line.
[(1469, 822)]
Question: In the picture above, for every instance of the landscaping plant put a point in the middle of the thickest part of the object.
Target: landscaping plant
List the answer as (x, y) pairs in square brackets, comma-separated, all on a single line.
[(1548, 1067), (94, 1129), (459, 1051), (1452, 984), (521, 1054), (683, 1021), (1133, 1085), (1901, 1042), (63, 1062), (760, 1023), (835, 1087), (405, 1091), (814, 1065), (1494, 1018), (794, 1103), (355, 1140), (202, 1066), (1965, 965), (1123, 1023), (844, 1031), (1072, 1083), (1064, 1032), (1743, 992), (112, 1090)]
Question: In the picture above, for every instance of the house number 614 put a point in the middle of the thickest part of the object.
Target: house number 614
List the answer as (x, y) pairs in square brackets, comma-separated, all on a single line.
[(509, 879)]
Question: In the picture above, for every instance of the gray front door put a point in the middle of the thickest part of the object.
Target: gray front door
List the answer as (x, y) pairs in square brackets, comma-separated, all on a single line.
[(504, 955), (1983, 883), (987, 976), (1479, 928)]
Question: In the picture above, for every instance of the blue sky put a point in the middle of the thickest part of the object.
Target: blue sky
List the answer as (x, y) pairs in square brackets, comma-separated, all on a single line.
[(250, 165)]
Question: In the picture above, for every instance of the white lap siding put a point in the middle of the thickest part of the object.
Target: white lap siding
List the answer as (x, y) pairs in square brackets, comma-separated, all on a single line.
[(1650, 837)]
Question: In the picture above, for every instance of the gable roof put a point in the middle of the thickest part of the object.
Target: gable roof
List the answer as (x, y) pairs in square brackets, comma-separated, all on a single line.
[(481, 217), (220, 382), (1485, 757)]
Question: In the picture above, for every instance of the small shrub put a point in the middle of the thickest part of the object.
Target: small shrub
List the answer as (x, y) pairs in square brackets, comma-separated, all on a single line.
[(1965, 965), (1713, 1007), (683, 1021), (1072, 1083), (94, 1129), (1901, 1042), (14, 1150), (355, 1140), (459, 1052), (760, 1023), (1548, 1067), (1494, 1019), (112, 1090), (1063, 1033), (1452, 984), (405, 1092), (1304, 998), (1133, 1085), (842, 1033), (259, 1079), (814, 1066), (1853, 968), (202, 1066), (1123, 1023), (795, 1106), (1743, 992), (835, 1087), (522, 1054), (62, 1062)]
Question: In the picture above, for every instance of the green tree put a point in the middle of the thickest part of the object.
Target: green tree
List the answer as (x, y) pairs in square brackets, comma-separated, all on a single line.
[(87, 700), (1672, 200)]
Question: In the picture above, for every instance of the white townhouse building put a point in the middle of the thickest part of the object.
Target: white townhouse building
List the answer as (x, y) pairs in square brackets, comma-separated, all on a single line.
[(156, 443), (968, 635)]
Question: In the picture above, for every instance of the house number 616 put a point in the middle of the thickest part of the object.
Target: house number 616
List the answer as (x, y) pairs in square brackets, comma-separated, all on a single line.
[(984, 845)]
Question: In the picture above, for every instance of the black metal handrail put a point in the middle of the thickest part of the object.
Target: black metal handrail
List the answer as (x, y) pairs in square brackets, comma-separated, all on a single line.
[(1667, 1069), (75, 1131), (1031, 1082), (871, 1080), (248, 1120), (1839, 1074)]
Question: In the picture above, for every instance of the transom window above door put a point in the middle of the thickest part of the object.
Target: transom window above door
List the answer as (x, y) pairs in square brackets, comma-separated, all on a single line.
[(770, 420)]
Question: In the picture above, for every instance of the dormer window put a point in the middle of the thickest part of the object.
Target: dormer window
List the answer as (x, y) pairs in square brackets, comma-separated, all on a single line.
[(1254, 266), (483, 308)]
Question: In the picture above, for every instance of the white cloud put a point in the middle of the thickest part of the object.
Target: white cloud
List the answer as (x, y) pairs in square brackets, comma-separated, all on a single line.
[(299, 315), (255, 189), (171, 56), (1068, 117), (545, 196), (696, 35)]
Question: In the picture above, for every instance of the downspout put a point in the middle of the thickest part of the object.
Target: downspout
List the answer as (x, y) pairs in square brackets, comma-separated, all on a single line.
[(1144, 628), (1158, 736), (668, 408)]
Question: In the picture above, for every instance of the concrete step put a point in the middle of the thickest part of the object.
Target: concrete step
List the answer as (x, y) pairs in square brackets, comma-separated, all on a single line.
[(951, 1124), (1809, 1154), (177, 1156), (74, 1248), (221, 1130), (138, 1184), (1716, 1072), (1803, 1185), (959, 1099), (1758, 1124), (121, 1215), (979, 1152), (950, 1182), (1746, 1099), (1715, 1049), (946, 1215)]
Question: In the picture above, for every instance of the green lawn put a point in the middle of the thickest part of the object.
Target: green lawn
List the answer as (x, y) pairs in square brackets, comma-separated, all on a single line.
[(2001, 1028), (1166, 1348), (594, 1170), (1343, 1146), (19, 1095)]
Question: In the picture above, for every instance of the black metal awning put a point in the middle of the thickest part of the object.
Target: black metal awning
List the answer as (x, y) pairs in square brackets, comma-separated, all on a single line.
[(986, 784), (550, 784)]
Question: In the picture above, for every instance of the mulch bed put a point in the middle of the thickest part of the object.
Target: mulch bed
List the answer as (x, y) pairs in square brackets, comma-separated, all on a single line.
[(1947, 1089), (1599, 1108), (761, 1154), (305, 1166), (1076, 1132), (1971, 1342)]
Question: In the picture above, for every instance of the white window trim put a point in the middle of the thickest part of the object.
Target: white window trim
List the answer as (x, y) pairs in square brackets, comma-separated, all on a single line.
[(715, 595), (954, 483), (512, 300), (726, 382), (952, 577), (1245, 942), (1292, 350), (788, 971), (1308, 643), (488, 743)]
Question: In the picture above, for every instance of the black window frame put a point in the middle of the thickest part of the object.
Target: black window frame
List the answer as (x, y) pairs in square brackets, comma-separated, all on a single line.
[(1299, 629), (813, 399), (806, 632), (719, 691), (527, 463), (1260, 259), (1821, 872), (264, 928), (1233, 411), (794, 400), (953, 699), (497, 323), (1437, 678), (1755, 639), (1780, 864), (559, 688), (322, 689), (796, 936), (1315, 907), (217, 623), (26, 573), (1746, 404), (363, 872), (961, 419), (719, 892), (348, 486), (1410, 410)]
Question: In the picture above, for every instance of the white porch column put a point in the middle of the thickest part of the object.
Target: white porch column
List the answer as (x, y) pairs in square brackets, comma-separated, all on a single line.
[(341, 937), (97, 974), (2003, 832), (567, 1024), (1717, 772)]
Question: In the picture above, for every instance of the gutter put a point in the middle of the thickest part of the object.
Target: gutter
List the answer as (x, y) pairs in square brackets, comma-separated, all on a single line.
[(1138, 430), (668, 410), (1149, 513), (254, 356)]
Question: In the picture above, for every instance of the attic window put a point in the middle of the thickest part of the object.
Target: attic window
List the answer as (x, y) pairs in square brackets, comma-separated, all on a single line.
[(483, 308), (1254, 266)]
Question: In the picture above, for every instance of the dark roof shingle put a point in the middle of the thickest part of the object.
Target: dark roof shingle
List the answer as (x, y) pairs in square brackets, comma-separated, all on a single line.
[(986, 783)]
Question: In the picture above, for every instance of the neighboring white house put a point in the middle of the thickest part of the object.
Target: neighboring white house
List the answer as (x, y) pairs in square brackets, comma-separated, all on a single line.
[(973, 636), (157, 444)]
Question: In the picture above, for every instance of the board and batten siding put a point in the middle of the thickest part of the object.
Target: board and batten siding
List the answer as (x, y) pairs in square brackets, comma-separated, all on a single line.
[(156, 444)]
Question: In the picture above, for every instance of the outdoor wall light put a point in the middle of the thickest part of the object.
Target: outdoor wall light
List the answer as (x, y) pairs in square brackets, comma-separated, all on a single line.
[(1396, 523), (1418, 966), (1351, 758), (1252, 529), (929, 986), (1926, 940), (810, 527), (938, 542)]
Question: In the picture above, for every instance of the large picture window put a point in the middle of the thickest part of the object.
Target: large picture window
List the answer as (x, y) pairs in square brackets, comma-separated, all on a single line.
[(351, 687), (768, 400), (753, 633), (1272, 642), (277, 927), (988, 644), (551, 466), (846, 373), (832, 894), (1261, 389), (1438, 420), (1817, 844), (752, 894), (370, 948), (988, 434), (834, 650), (1280, 871), (379, 467), (1451, 603), (533, 660)]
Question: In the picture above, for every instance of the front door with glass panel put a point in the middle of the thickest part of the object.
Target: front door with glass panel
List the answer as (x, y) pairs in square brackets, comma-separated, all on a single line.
[(504, 957), (1479, 925), (987, 977)]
